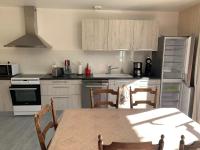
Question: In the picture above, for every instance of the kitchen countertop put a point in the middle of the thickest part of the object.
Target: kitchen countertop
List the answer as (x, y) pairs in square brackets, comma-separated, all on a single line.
[(5, 77), (76, 77), (83, 77)]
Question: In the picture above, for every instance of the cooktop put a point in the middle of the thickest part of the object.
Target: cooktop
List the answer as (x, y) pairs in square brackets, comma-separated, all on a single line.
[(29, 76)]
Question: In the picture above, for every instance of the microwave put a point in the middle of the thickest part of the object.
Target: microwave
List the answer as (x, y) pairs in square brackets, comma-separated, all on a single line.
[(9, 69)]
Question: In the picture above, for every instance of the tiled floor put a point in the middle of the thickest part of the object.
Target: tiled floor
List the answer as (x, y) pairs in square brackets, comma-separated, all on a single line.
[(18, 133)]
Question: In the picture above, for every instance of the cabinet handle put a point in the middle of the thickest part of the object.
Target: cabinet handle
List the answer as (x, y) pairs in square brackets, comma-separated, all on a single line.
[(60, 97), (123, 82), (61, 87), (60, 82)]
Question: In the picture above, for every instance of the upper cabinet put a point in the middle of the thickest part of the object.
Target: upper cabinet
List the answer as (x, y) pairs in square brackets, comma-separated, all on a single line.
[(146, 34), (120, 35), (109, 34), (95, 34)]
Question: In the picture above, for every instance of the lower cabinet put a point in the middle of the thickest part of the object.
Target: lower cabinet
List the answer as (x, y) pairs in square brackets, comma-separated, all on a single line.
[(134, 83), (63, 102), (5, 98), (66, 93)]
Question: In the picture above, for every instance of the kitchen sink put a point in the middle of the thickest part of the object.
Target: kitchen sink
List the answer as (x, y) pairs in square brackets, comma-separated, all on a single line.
[(112, 76)]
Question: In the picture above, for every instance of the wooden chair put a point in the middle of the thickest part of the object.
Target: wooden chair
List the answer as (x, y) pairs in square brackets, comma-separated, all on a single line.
[(130, 146), (97, 103), (195, 145), (53, 112), (51, 124), (149, 102)]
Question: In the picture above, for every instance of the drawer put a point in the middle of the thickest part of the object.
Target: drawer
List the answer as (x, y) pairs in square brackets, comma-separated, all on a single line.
[(58, 89), (63, 102), (170, 96), (61, 82), (170, 104)]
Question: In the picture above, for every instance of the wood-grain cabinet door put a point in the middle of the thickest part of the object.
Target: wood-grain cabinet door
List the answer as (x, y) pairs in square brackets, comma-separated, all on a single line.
[(63, 102), (145, 35), (120, 34), (5, 98), (95, 34)]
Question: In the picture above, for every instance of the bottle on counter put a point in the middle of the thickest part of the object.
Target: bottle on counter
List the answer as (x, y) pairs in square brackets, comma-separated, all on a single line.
[(87, 71), (67, 69), (80, 70)]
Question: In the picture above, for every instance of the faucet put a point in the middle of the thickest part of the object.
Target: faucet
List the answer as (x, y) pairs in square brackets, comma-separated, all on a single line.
[(111, 68)]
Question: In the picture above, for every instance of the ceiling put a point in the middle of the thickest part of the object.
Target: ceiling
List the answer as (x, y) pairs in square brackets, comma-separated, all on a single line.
[(163, 5)]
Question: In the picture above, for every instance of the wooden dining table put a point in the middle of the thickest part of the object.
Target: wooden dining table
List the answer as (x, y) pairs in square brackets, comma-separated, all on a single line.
[(78, 128)]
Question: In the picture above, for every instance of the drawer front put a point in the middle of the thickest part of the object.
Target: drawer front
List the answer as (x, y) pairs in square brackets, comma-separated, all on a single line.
[(61, 81), (61, 90), (63, 102)]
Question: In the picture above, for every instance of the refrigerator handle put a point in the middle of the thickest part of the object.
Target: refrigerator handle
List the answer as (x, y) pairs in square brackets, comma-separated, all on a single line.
[(183, 76)]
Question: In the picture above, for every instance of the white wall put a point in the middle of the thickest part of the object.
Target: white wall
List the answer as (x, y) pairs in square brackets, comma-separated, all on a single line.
[(62, 30)]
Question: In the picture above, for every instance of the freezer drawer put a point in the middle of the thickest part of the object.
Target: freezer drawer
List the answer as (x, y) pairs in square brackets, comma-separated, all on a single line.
[(170, 96)]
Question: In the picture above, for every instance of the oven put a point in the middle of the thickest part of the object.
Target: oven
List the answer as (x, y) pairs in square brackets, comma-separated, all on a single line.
[(25, 94)]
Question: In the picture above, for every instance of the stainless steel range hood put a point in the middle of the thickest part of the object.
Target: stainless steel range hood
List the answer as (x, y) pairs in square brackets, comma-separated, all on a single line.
[(31, 38)]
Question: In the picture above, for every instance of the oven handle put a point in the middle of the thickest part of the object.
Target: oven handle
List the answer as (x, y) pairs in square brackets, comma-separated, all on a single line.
[(22, 89)]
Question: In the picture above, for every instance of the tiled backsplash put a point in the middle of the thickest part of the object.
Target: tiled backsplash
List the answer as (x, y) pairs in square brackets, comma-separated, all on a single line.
[(40, 60)]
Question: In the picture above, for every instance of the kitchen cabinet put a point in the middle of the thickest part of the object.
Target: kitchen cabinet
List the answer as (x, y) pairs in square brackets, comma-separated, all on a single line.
[(120, 34), (66, 93), (135, 83), (146, 34), (94, 34), (110, 34), (5, 98)]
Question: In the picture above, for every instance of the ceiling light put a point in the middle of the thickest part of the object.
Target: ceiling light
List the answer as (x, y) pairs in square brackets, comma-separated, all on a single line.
[(97, 7)]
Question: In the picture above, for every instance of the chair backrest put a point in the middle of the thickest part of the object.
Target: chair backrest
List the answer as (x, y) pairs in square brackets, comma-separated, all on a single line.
[(195, 145), (149, 102), (104, 102), (130, 146), (53, 112), (51, 124)]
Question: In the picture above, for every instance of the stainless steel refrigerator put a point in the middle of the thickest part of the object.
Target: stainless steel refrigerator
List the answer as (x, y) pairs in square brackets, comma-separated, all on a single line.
[(173, 63)]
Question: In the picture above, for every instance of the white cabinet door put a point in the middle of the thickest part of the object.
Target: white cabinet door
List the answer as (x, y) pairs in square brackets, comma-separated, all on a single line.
[(120, 34), (95, 34), (63, 102), (5, 98), (145, 35)]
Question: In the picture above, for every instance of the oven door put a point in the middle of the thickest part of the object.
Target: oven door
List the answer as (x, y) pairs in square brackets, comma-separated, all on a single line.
[(25, 94)]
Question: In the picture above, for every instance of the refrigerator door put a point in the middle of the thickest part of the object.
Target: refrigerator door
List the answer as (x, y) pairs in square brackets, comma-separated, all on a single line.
[(173, 57), (170, 94), (189, 59), (186, 99)]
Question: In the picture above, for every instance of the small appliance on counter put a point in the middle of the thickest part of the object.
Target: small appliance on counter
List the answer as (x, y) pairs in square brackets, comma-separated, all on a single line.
[(67, 69), (148, 67), (9, 69), (137, 69), (57, 71)]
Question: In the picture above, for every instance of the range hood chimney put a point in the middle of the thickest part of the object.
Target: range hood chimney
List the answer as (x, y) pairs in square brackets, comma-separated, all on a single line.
[(31, 38)]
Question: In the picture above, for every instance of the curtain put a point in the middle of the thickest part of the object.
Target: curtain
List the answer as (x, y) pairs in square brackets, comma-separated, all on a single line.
[(196, 104)]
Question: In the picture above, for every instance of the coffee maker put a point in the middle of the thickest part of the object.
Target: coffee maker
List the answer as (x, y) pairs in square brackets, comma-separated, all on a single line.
[(148, 67), (137, 69)]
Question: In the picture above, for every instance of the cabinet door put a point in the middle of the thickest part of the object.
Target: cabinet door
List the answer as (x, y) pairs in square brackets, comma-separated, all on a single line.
[(5, 98), (120, 34), (94, 34), (63, 102), (145, 35)]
